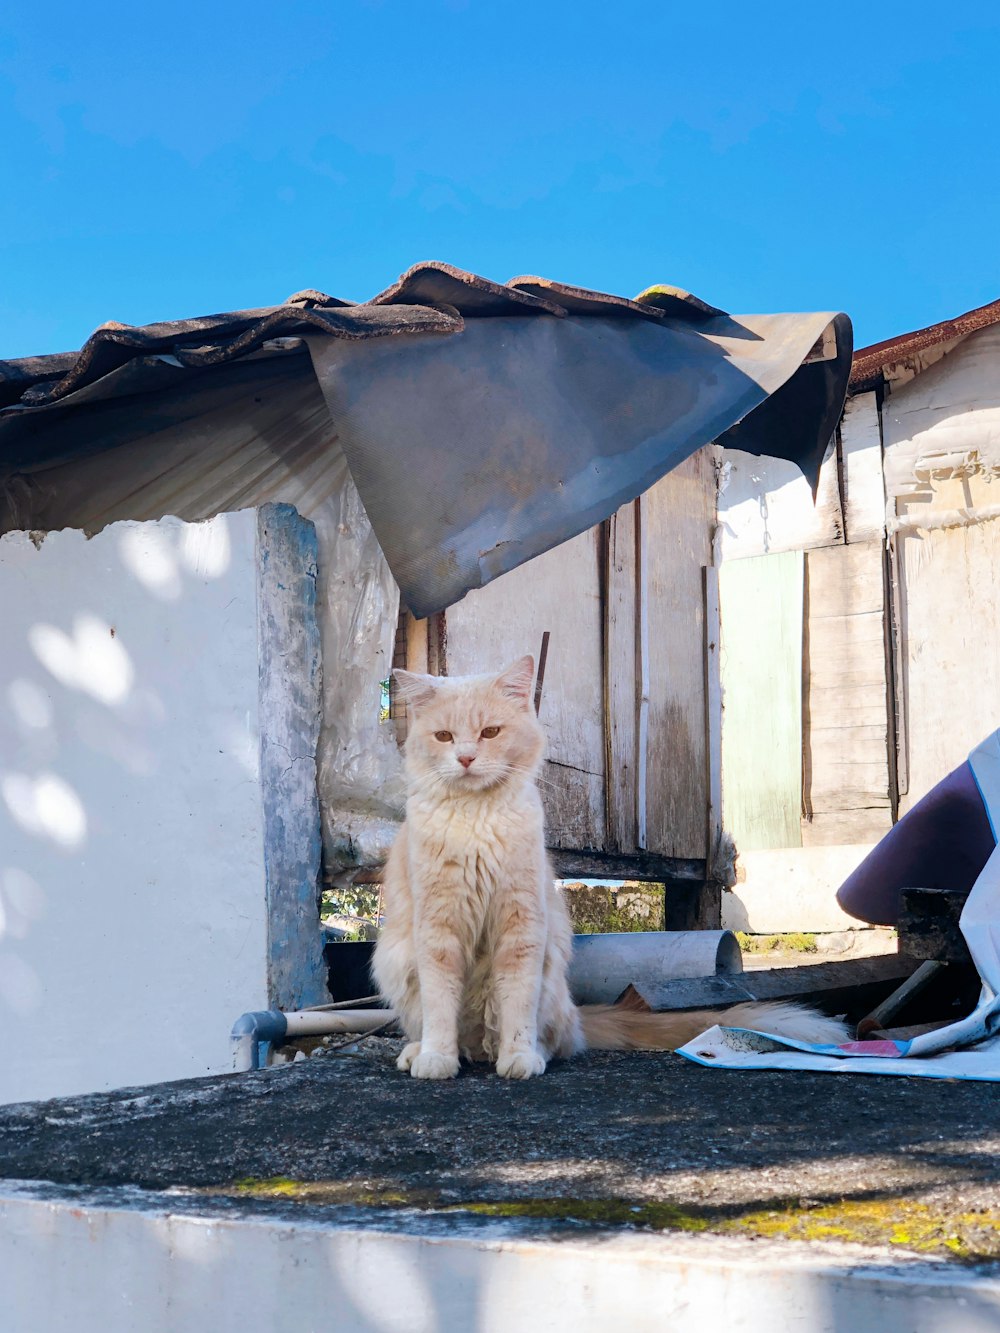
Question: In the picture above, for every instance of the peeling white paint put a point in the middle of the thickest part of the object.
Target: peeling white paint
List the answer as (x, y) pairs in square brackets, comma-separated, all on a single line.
[(944, 425)]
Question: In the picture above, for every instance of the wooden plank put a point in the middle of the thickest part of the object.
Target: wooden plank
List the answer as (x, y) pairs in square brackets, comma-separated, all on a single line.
[(713, 725), (620, 634), (766, 505), (929, 925), (845, 695), (837, 828), (852, 983), (646, 866), (951, 620), (560, 592), (861, 469), (914, 985), (437, 644), (679, 514), (761, 601), (416, 643), (897, 664), (833, 987)]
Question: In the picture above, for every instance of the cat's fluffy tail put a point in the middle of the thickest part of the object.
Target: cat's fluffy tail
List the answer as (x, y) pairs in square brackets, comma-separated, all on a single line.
[(611, 1027)]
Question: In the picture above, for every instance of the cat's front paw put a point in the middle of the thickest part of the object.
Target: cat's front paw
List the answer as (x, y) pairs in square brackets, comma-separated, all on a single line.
[(521, 1064), (407, 1056), (432, 1064)]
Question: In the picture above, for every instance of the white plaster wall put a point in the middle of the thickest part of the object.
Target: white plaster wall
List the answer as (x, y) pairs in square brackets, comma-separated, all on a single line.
[(132, 886), (126, 1263), (792, 888)]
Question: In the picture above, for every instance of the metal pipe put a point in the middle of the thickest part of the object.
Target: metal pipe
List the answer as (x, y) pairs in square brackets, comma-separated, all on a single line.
[(310, 1023), (253, 1030), (604, 965)]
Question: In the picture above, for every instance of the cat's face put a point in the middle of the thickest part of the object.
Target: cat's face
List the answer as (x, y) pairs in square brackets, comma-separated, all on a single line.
[(471, 733)]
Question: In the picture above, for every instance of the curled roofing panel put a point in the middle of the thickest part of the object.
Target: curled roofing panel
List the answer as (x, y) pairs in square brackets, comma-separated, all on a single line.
[(483, 423)]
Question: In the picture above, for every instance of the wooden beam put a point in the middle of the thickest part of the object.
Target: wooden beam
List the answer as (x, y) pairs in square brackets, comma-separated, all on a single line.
[(644, 867), (929, 925), (647, 866), (621, 695), (416, 644), (713, 718), (853, 985)]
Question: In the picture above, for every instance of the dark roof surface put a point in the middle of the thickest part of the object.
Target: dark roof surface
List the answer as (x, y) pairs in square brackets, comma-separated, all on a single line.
[(634, 1131), (428, 298)]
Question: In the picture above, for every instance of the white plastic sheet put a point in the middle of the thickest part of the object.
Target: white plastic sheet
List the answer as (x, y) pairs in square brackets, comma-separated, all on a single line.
[(359, 769), (968, 1049)]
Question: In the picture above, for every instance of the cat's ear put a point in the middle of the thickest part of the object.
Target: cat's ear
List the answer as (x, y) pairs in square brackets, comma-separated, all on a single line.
[(415, 690), (515, 682)]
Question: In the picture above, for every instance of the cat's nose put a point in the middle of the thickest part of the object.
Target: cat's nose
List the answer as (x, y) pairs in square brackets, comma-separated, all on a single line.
[(465, 759)]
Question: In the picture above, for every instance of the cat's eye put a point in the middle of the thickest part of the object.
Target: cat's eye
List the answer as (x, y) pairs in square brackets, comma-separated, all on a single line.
[(488, 733), (443, 736)]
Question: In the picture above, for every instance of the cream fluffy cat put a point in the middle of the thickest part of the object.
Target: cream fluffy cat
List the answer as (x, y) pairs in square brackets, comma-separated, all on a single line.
[(477, 939)]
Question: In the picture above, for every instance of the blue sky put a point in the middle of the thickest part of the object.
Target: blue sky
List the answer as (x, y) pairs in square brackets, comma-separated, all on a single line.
[(166, 161)]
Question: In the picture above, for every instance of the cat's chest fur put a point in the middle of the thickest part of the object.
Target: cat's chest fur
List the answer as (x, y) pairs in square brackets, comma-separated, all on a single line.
[(486, 837)]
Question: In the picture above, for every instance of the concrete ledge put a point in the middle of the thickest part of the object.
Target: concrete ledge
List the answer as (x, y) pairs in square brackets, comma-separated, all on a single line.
[(119, 1260)]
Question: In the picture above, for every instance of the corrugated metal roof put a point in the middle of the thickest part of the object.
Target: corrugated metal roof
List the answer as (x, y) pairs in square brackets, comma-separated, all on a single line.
[(483, 423), (870, 362), (428, 298)]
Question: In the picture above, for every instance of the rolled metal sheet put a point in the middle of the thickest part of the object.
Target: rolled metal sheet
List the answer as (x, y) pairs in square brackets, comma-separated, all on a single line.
[(603, 966)]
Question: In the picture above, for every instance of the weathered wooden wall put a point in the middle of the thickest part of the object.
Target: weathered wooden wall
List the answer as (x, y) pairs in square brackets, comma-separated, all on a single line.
[(951, 666), (860, 646), (942, 461), (679, 515), (624, 700), (493, 626), (845, 702), (901, 611), (837, 710), (761, 605)]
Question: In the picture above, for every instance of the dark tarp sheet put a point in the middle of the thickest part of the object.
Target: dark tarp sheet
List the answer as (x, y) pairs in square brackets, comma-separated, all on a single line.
[(483, 423), (477, 451)]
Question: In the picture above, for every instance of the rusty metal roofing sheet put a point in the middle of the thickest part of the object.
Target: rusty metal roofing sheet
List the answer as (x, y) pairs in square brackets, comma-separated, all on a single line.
[(483, 423), (871, 361)]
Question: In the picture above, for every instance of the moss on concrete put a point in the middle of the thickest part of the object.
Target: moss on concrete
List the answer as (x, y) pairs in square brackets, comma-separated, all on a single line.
[(598, 1212), (924, 1228), (597, 909), (795, 941), (325, 1192)]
